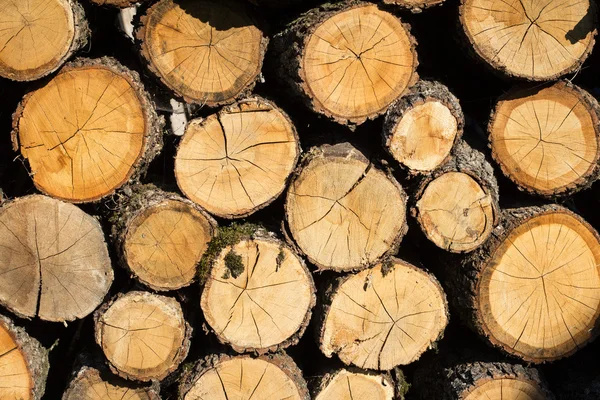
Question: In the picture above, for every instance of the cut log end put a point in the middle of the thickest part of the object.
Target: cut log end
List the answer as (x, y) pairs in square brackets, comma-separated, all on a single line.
[(239, 160), (510, 388), (265, 377), (24, 366), (38, 36), (343, 212), (548, 261), (218, 41), (144, 336), (57, 267), (353, 60), (547, 141), (456, 212), (384, 317), (87, 131), (164, 239), (532, 40), (421, 128), (345, 384), (91, 384), (259, 296)]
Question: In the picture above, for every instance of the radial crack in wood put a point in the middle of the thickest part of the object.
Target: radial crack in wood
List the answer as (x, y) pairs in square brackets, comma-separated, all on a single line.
[(383, 317), (224, 378), (535, 286), (54, 262), (348, 61), (208, 52), (267, 306), (87, 131), (144, 336), (237, 161), (422, 127), (535, 40), (23, 363), (38, 36), (342, 212), (90, 384), (547, 140), (354, 385), (161, 236)]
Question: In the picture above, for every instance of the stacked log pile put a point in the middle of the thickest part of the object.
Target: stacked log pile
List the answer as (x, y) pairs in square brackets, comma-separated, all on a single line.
[(363, 190)]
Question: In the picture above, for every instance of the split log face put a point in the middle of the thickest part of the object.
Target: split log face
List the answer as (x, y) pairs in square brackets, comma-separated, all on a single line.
[(421, 128), (90, 384), (265, 307), (238, 160), (55, 265), (547, 141), (349, 77), (23, 363), (533, 40), (384, 317), (460, 221), (38, 36), (243, 377), (207, 52), (537, 293), (87, 131), (349, 385), (162, 237), (144, 336), (342, 212)]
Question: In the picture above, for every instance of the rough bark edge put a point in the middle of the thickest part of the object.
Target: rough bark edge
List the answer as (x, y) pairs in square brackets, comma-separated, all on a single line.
[(276, 3), (81, 35), (421, 93), (140, 43), (153, 136), (35, 355), (585, 181), (471, 162), (477, 55), (110, 271), (464, 280), (171, 303), (326, 300), (259, 101), (116, 3), (153, 391), (129, 204), (344, 151), (281, 360), (291, 43), (292, 340), (395, 380), (415, 6)]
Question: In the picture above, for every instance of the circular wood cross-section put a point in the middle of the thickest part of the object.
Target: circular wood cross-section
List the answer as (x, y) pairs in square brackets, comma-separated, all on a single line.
[(244, 377), (206, 51), (342, 212), (23, 363), (547, 141), (37, 36), (238, 160), (384, 317), (357, 62), (456, 212), (91, 384), (265, 306), (506, 388), (539, 292), (144, 336), (536, 40), (54, 262), (350, 385), (164, 243), (87, 131)]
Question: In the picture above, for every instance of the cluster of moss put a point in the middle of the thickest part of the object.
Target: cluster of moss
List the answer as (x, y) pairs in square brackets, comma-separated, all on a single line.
[(234, 265)]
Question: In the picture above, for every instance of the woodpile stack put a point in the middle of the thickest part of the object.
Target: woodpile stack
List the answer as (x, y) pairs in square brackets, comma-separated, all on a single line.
[(261, 249)]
